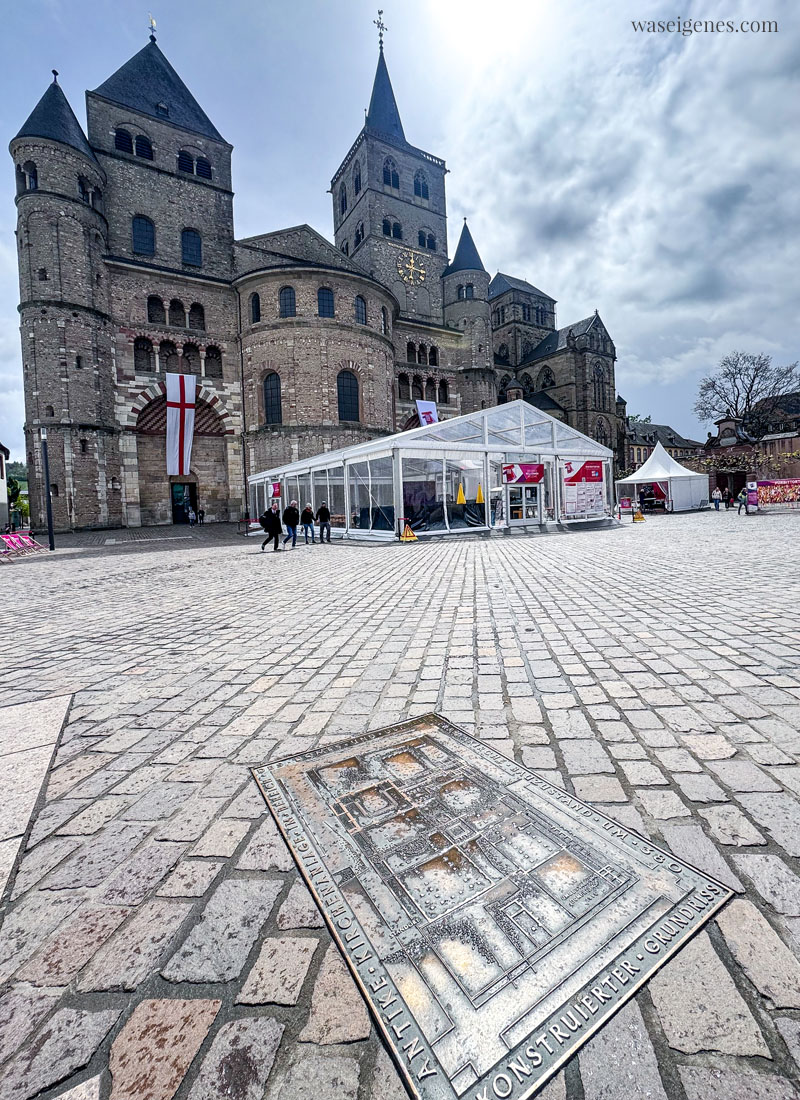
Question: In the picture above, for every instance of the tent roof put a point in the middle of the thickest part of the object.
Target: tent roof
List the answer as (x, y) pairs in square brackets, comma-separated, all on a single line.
[(513, 427), (658, 467)]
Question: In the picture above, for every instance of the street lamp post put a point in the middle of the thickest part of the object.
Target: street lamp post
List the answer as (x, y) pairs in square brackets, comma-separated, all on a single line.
[(48, 502)]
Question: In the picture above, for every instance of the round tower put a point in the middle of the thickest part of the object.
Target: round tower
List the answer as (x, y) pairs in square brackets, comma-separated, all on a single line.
[(65, 318), (465, 291)]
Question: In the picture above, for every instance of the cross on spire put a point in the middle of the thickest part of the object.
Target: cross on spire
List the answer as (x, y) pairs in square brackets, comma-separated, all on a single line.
[(379, 23), (152, 24)]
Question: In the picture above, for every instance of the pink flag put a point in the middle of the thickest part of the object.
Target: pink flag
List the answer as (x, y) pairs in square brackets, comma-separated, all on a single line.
[(180, 422)]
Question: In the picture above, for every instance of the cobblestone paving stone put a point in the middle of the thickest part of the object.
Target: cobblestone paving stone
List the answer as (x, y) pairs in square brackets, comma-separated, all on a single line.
[(157, 941)]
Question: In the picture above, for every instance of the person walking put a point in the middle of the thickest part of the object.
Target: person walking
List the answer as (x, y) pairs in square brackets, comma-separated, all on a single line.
[(291, 517), (201, 515), (323, 518), (727, 498), (742, 501), (192, 516), (307, 520), (271, 523), (716, 496)]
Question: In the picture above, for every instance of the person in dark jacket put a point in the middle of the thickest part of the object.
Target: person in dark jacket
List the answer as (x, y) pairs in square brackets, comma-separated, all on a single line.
[(271, 522), (291, 517), (324, 520), (307, 520)]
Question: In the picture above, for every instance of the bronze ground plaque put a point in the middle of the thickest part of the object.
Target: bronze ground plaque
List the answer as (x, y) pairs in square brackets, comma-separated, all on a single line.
[(492, 921)]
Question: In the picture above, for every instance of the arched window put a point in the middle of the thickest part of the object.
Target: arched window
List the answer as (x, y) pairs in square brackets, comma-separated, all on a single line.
[(601, 432), (49, 410), (346, 248), (185, 162), (421, 238), (443, 395), (255, 308), (357, 178), (546, 379), (31, 175), (420, 185), (431, 243), (599, 379), (347, 392), (197, 317), (526, 313), (397, 231), (359, 235), (142, 354), (404, 387), (203, 168), (213, 363), (83, 191), (325, 306), (502, 353), (143, 236), (22, 182), (168, 356), (191, 248), (416, 387), (177, 314), (143, 147), (384, 320), (430, 390), (155, 311), (273, 412), (411, 352), (460, 293), (387, 227), (343, 199), (469, 291), (83, 444), (433, 357), (97, 199), (360, 310), (190, 359), (391, 177), (286, 302), (123, 141), (422, 355)]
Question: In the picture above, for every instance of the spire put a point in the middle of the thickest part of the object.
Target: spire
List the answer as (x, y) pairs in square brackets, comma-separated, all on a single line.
[(53, 118), (466, 257), (383, 115), (149, 84)]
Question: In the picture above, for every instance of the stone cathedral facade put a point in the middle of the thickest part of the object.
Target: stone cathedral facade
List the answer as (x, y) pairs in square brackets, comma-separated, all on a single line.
[(129, 268)]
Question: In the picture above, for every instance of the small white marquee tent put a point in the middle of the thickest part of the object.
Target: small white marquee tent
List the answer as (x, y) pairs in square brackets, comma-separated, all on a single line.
[(682, 488)]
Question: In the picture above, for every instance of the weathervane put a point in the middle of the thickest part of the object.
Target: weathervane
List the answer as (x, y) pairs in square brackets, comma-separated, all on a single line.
[(152, 27), (379, 23)]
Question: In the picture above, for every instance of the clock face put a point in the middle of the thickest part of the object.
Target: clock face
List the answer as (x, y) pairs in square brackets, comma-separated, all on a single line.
[(411, 267)]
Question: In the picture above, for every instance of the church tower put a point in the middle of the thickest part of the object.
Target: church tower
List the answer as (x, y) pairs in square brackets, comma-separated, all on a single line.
[(389, 209), (62, 237), (465, 285)]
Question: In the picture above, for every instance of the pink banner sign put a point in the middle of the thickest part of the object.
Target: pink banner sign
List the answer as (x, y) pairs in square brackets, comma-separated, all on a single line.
[(586, 471), (527, 473), (276, 489)]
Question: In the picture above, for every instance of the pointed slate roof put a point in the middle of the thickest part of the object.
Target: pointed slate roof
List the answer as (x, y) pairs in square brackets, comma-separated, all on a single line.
[(383, 115), (501, 283), (466, 257), (54, 119), (557, 340), (147, 80)]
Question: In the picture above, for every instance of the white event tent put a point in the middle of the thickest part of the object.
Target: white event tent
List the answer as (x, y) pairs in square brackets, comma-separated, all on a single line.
[(508, 466), (683, 489)]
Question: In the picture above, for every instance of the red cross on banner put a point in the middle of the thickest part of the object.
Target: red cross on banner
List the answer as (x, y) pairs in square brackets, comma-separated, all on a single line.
[(181, 389)]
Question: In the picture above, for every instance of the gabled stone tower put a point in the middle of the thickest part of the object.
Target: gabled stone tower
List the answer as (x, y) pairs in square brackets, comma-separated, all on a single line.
[(389, 209), (465, 288), (67, 340)]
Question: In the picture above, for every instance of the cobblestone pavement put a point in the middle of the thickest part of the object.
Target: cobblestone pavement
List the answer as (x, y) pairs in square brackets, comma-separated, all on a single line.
[(157, 940)]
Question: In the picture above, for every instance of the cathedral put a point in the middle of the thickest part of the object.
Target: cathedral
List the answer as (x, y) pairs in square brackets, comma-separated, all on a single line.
[(129, 269)]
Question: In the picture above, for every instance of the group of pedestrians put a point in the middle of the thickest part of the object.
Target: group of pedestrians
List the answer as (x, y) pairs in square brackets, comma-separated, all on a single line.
[(726, 497), (292, 518)]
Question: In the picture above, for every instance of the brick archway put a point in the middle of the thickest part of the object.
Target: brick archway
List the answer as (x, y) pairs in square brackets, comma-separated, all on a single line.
[(204, 397)]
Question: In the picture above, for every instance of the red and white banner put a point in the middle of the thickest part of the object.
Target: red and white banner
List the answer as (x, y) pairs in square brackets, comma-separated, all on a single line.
[(427, 413), (526, 473), (181, 389), (574, 474)]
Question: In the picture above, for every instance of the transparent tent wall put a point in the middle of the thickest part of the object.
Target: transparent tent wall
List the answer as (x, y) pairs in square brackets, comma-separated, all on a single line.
[(465, 490), (336, 497), (381, 494), (423, 492)]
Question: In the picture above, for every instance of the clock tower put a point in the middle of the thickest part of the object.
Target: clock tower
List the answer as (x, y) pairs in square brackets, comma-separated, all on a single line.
[(389, 209)]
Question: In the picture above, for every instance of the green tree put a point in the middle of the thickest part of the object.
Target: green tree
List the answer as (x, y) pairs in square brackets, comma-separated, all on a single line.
[(13, 492), (637, 418)]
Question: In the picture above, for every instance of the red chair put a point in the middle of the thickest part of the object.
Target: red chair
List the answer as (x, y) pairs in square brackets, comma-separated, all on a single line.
[(14, 545)]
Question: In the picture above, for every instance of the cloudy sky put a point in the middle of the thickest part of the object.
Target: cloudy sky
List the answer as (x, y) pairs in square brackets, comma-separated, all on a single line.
[(654, 177)]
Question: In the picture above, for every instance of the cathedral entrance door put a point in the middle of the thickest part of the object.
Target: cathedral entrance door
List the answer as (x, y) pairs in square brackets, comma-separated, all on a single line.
[(523, 505), (184, 496)]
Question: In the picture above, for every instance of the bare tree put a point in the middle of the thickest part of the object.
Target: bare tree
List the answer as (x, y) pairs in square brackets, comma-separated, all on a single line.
[(747, 387)]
